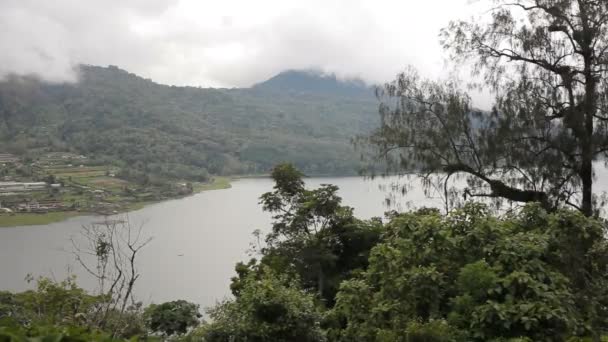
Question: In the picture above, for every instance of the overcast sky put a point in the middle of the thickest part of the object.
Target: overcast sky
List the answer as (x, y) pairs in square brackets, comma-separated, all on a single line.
[(225, 42)]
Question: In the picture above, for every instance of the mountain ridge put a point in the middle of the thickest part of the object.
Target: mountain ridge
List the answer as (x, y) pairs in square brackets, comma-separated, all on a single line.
[(315, 82), (116, 116)]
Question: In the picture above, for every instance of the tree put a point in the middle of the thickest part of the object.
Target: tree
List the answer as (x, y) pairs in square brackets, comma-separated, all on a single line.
[(172, 317), (50, 179), (49, 303), (57, 311), (270, 307), (470, 276), (108, 251), (313, 234), (547, 62)]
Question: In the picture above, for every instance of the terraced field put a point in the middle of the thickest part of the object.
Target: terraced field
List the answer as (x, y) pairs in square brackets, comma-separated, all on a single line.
[(85, 189)]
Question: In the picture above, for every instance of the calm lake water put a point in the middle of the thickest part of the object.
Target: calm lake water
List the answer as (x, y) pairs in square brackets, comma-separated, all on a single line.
[(196, 240)]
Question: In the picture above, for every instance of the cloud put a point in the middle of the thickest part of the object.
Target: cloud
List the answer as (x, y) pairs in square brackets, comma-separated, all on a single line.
[(28, 50), (227, 43)]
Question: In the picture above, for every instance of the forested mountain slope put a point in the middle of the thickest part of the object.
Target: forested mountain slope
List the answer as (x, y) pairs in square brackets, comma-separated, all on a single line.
[(117, 117)]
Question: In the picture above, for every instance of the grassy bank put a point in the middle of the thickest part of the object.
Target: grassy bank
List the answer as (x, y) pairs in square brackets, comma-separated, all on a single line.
[(217, 184), (33, 219)]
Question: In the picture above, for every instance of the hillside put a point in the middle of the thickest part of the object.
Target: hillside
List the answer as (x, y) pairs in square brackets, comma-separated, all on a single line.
[(113, 116)]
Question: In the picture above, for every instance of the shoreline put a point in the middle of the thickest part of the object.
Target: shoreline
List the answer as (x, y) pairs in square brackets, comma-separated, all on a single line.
[(219, 183), (38, 219)]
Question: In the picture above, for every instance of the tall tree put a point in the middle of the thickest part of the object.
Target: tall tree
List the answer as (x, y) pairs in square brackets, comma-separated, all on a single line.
[(547, 62), (313, 234)]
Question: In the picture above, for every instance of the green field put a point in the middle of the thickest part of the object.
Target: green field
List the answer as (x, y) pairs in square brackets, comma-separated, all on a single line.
[(217, 184), (29, 219)]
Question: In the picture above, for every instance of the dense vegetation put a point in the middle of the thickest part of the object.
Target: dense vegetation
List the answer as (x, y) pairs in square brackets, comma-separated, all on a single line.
[(119, 118), (422, 276), (536, 273), (324, 275), (62, 311)]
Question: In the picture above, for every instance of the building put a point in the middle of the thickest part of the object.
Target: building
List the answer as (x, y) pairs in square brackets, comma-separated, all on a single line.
[(39, 206), (21, 186), (4, 208), (6, 158)]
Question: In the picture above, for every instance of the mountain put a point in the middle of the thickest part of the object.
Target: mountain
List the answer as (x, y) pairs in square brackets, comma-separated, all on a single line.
[(113, 116), (314, 82)]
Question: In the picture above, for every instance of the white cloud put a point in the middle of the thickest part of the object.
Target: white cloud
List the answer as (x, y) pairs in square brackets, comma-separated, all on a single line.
[(225, 43), (29, 50)]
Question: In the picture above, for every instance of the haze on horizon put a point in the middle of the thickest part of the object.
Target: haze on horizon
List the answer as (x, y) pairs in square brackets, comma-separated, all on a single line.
[(233, 43)]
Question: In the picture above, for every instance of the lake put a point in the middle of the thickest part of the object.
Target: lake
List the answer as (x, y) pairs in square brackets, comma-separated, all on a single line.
[(196, 240)]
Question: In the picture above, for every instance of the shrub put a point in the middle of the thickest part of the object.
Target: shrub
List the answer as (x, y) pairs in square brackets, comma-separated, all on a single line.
[(531, 275), (172, 317)]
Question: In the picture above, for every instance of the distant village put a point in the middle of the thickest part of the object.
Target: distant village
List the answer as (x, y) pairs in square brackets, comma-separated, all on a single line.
[(34, 186), (14, 189), (64, 181), (17, 195)]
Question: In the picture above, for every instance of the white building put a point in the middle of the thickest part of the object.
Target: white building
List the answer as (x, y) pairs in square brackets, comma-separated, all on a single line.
[(21, 186)]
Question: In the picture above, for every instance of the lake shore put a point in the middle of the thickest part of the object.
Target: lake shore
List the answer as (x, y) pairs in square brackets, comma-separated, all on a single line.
[(35, 219), (207, 233)]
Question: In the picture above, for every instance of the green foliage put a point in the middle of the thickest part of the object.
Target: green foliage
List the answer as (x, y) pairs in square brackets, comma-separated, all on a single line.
[(313, 235), (11, 332), (288, 180), (50, 303), (467, 276), (470, 276), (62, 311), (432, 331), (242, 273), (172, 317), (529, 275), (148, 129), (269, 307)]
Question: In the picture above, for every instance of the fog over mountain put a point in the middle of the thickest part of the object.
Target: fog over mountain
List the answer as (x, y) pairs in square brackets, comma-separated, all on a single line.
[(315, 82), (229, 43)]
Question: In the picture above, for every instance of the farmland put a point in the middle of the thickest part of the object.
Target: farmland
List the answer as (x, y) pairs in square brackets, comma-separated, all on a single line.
[(71, 186)]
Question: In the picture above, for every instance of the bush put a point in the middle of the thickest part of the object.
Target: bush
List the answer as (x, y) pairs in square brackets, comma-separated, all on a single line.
[(433, 331), (269, 307), (172, 317), (529, 275)]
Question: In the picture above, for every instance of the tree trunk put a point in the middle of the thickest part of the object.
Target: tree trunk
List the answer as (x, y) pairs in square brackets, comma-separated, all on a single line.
[(587, 180), (589, 109), (321, 284)]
